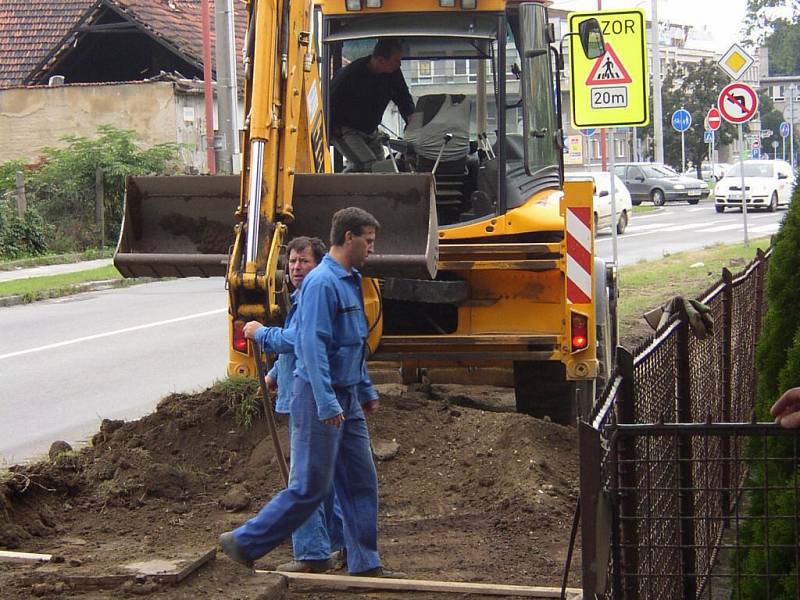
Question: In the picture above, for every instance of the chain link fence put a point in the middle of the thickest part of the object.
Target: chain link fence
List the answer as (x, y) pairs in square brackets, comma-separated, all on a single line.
[(667, 458)]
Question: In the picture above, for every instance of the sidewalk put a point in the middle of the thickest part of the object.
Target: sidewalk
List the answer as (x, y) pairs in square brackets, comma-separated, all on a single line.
[(46, 270)]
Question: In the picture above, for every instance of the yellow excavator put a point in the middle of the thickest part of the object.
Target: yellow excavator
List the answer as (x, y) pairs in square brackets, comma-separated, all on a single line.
[(485, 255)]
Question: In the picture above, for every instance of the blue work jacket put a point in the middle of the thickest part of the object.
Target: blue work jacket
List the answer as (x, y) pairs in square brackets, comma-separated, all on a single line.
[(280, 341), (331, 336)]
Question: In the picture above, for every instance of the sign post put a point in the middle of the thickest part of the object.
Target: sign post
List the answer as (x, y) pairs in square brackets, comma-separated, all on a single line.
[(713, 122), (681, 121), (738, 104), (784, 134), (611, 90)]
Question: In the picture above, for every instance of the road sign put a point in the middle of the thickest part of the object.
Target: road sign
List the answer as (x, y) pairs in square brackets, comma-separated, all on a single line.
[(735, 62), (611, 90), (756, 145), (713, 119), (681, 120), (588, 132), (708, 136), (784, 129), (737, 103), (756, 152), (765, 133)]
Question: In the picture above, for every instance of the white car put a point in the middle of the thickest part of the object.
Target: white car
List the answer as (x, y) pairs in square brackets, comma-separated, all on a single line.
[(602, 199), (768, 185)]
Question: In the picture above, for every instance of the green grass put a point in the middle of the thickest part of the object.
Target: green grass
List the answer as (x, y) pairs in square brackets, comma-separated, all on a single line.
[(649, 284), (56, 259), (35, 288), (641, 208)]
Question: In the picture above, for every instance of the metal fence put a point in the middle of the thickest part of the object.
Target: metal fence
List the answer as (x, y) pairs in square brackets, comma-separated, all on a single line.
[(672, 464)]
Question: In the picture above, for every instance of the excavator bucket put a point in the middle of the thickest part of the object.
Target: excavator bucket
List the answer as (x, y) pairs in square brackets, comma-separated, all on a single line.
[(184, 226), (404, 204), (179, 226)]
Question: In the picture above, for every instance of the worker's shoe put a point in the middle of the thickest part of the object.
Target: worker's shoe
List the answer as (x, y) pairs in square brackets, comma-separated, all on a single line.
[(381, 572), (339, 558), (232, 550), (307, 566)]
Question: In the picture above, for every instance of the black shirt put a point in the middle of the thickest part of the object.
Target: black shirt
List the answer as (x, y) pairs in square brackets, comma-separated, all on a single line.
[(359, 97)]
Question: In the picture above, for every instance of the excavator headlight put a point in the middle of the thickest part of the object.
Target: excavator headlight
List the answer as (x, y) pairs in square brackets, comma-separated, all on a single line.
[(447, 3), (374, 3), (469, 4), (353, 4)]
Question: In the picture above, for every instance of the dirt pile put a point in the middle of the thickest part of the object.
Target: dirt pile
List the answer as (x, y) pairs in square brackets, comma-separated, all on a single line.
[(466, 494)]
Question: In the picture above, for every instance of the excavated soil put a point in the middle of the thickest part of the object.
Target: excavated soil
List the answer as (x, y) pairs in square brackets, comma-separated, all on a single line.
[(470, 495)]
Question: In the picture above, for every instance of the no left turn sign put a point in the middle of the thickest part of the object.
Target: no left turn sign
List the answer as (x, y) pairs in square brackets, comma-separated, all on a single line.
[(737, 103)]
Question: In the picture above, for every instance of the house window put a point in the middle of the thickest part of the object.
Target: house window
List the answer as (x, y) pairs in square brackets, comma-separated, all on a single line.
[(777, 92), (425, 70)]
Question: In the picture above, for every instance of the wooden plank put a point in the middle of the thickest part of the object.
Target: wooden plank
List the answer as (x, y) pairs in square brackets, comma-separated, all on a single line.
[(421, 585), (23, 557), (173, 570)]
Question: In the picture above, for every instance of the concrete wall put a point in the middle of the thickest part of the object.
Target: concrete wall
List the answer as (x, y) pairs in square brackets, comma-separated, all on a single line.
[(31, 118)]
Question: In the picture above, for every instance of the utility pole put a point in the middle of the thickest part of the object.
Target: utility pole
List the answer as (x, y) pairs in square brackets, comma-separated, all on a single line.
[(791, 124), (658, 125), (207, 89), (603, 153), (227, 98)]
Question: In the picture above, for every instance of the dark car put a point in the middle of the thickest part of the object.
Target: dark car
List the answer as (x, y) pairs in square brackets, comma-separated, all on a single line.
[(659, 183)]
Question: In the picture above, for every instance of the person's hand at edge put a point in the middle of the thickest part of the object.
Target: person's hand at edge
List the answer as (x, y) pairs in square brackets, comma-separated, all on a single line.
[(787, 409), (335, 421)]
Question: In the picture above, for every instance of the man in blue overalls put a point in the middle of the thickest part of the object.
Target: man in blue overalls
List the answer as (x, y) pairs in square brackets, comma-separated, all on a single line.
[(314, 540), (332, 393)]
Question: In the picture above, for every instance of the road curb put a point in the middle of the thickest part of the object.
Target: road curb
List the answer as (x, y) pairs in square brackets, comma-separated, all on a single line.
[(78, 288)]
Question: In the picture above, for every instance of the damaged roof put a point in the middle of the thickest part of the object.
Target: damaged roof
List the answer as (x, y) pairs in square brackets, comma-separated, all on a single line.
[(36, 34)]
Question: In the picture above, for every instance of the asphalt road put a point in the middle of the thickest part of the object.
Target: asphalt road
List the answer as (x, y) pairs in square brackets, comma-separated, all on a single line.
[(66, 364), (679, 226)]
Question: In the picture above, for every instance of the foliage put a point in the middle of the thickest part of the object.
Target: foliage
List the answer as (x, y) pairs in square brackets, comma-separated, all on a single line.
[(770, 119), (705, 80), (21, 237), (61, 187), (778, 363), (242, 396)]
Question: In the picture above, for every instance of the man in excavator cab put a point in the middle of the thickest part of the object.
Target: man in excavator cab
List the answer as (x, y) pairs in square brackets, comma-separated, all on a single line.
[(360, 93)]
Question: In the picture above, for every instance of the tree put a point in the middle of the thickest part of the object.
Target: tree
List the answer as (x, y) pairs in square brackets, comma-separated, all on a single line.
[(696, 88), (771, 119)]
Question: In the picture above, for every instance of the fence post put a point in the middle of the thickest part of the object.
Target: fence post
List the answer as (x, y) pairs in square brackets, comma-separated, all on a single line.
[(22, 203), (99, 212), (626, 456), (685, 466), (590, 453), (760, 282), (727, 388)]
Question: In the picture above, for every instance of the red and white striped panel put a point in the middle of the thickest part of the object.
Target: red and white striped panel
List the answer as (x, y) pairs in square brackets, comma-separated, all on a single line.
[(579, 255)]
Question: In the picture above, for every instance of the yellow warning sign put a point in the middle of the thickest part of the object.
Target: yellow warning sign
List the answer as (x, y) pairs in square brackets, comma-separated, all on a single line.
[(611, 90)]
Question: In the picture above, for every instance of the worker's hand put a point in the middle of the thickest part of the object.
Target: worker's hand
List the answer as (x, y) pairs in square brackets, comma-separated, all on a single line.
[(250, 329), (370, 407), (787, 409), (271, 383), (335, 421)]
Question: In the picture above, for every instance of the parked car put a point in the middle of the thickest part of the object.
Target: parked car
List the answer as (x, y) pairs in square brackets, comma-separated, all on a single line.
[(767, 183), (602, 199), (707, 172), (659, 183)]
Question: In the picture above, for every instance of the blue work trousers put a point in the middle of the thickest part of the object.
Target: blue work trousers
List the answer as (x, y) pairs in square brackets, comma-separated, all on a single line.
[(323, 455), (322, 533)]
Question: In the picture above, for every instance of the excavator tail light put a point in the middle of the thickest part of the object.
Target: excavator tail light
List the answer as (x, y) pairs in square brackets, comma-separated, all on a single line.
[(239, 341), (374, 3), (469, 4), (353, 4), (447, 3), (580, 331)]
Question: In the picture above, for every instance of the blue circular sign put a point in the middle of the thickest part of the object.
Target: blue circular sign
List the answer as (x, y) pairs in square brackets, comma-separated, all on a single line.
[(681, 120), (784, 129), (588, 132)]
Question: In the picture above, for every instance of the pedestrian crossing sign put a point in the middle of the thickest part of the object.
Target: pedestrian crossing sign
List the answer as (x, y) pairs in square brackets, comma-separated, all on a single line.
[(610, 90), (607, 69)]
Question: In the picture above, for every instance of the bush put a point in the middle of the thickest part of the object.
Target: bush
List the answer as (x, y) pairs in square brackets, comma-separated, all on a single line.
[(62, 187), (22, 237), (778, 363)]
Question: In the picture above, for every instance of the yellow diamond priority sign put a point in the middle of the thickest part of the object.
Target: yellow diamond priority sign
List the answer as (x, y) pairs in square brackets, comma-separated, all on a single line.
[(735, 62), (611, 90)]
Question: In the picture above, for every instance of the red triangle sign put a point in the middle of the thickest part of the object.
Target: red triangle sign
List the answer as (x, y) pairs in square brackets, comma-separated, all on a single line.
[(608, 69)]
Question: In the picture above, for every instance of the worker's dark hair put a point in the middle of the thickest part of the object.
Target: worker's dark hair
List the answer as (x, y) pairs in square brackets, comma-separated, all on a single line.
[(351, 219), (386, 47), (302, 242)]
